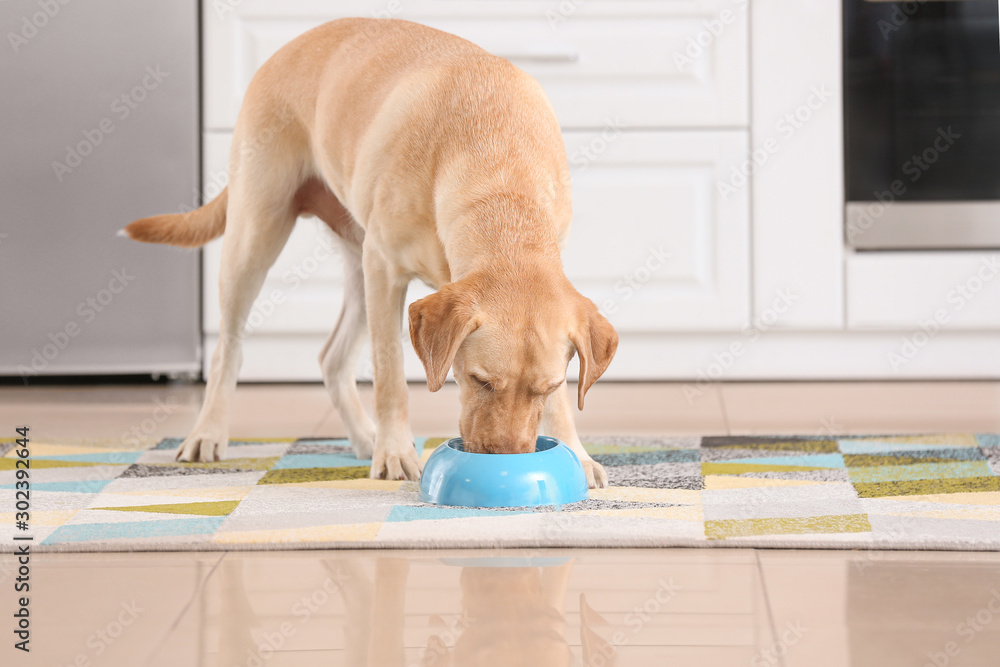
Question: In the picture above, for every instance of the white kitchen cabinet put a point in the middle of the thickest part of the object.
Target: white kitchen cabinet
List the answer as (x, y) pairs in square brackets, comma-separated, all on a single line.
[(652, 63)]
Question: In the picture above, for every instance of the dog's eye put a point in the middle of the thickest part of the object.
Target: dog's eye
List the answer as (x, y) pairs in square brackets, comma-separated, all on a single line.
[(547, 389), (553, 386), (483, 383)]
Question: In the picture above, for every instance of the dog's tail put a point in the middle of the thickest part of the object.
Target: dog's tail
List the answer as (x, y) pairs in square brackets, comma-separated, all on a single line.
[(187, 230)]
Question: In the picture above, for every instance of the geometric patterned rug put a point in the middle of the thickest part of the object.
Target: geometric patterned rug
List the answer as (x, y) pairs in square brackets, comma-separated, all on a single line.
[(881, 492)]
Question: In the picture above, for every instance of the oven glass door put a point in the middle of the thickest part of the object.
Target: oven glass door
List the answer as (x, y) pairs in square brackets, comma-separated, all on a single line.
[(922, 123)]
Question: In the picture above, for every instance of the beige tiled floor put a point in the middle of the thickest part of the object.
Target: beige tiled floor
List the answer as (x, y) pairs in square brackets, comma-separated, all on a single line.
[(861, 407), (591, 607)]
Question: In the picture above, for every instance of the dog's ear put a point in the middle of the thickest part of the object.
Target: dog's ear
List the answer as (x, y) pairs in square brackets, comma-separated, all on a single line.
[(595, 341), (438, 325)]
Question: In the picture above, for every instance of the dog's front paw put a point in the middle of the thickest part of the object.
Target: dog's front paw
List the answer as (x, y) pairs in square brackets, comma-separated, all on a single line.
[(596, 477), (363, 443), (203, 446), (395, 459)]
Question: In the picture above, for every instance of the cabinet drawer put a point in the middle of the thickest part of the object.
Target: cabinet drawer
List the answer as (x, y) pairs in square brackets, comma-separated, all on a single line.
[(654, 63), (923, 292)]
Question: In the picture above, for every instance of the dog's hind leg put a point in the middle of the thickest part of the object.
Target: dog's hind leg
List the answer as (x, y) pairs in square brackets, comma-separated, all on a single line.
[(260, 216), (339, 358)]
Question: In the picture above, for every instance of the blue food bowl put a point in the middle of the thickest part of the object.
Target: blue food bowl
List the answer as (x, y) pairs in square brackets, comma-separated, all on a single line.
[(551, 475)]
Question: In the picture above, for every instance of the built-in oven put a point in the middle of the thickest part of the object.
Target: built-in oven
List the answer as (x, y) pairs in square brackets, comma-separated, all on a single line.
[(922, 124)]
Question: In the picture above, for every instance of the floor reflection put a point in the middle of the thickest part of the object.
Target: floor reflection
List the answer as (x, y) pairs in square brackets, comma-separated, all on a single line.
[(510, 612), (458, 608), (581, 607), (902, 613)]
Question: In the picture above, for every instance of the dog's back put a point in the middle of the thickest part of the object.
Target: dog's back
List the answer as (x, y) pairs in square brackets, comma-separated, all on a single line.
[(386, 108), (408, 112)]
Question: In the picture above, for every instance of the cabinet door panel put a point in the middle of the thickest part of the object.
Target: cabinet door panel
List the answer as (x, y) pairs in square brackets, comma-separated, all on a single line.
[(654, 243)]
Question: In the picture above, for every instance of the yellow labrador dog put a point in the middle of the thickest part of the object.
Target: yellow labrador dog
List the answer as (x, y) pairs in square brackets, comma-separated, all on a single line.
[(430, 159)]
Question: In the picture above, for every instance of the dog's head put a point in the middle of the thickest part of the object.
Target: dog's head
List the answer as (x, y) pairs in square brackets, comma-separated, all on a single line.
[(509, 342)]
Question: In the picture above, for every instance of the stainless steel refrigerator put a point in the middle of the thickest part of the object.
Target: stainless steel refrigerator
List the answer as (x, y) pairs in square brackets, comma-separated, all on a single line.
[(99, 125)]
